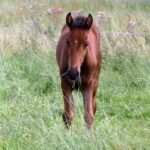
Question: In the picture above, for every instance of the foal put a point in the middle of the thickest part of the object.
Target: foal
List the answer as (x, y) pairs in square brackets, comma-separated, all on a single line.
[(78, 56)]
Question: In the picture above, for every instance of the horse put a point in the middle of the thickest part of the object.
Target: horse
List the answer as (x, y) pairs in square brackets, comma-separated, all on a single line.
[(78, 55)]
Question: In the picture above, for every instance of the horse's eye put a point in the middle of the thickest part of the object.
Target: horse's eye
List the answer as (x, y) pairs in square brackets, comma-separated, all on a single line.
[(85, 45)]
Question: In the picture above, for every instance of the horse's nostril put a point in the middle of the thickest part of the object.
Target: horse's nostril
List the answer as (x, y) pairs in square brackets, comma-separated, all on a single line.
[(72, 74)]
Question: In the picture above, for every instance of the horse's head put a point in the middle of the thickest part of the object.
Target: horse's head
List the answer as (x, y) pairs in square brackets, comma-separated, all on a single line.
[(77, 43)]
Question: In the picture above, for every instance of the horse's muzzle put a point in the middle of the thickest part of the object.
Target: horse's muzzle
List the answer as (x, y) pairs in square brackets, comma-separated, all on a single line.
[(73, 74)]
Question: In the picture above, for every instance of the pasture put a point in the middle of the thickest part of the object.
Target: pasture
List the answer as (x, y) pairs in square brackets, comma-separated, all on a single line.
[(31, 101)]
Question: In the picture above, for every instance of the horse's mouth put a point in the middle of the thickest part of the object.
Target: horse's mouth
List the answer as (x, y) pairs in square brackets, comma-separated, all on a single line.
[(75, 81), (76, 84)]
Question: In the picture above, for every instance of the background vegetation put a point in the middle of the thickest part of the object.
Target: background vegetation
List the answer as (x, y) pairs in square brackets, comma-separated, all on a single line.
[(31, 102)]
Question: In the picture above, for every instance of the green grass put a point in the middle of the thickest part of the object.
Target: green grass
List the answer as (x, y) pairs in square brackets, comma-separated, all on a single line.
[(31, 105), (31, 102)]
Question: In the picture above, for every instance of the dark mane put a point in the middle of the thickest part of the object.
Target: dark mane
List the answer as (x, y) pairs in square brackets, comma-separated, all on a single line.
[(79, 22)]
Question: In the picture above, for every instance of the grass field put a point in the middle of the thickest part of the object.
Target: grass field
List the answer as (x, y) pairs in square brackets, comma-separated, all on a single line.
[(31, 102)]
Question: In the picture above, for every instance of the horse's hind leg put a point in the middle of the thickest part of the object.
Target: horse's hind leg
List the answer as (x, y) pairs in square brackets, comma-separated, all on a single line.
[(68, 105), (94, 93)]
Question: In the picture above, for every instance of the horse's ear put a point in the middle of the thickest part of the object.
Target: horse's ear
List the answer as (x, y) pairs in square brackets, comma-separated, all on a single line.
[(89, 21), (69, 20)]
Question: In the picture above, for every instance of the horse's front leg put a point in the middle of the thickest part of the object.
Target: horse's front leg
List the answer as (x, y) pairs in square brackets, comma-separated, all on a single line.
[(88, 105), (68, 104)]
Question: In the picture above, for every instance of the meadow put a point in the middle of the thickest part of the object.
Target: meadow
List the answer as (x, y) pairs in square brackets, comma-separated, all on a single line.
[(31, 102)]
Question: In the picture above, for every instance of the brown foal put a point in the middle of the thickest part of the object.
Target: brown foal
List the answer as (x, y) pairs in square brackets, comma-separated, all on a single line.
[(79, 57)]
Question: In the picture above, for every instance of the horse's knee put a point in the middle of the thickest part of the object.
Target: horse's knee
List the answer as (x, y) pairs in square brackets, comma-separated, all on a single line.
[(67, 118)]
